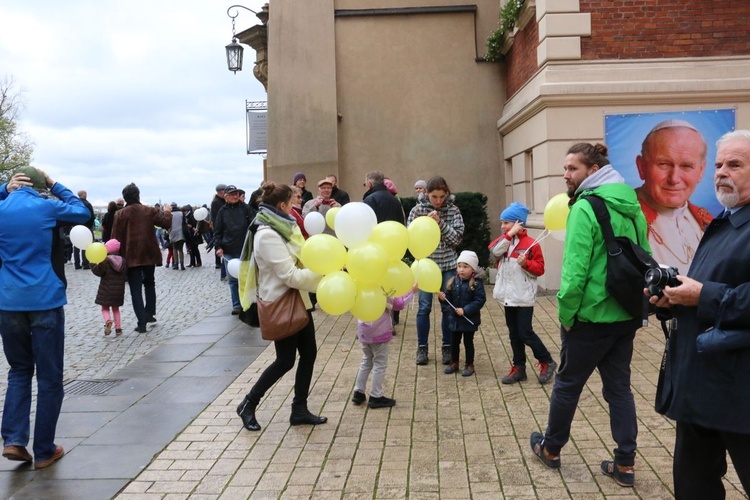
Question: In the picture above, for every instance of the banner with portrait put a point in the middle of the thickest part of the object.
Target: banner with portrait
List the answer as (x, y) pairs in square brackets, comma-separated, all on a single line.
[(668, 157)]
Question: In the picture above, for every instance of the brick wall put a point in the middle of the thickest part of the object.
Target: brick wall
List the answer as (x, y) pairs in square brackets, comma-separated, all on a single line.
[(640, 29), (520, 61)]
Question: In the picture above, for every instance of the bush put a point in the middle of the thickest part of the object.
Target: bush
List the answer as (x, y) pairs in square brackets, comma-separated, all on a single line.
[(473, 207)]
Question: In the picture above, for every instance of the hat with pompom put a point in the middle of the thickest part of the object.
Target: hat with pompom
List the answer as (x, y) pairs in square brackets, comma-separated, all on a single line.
[(112, 246)]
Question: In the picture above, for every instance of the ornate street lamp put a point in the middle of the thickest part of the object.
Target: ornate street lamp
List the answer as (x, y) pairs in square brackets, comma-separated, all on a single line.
[(235, 49)]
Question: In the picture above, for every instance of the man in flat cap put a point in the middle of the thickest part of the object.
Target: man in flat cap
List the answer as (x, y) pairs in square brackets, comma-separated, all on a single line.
[(322, 203)]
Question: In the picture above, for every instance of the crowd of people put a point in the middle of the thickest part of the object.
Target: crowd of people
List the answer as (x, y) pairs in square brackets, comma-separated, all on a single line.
[(701, 392)]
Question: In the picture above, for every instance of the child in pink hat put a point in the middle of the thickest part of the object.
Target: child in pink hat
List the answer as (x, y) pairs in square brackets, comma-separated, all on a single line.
[(113, 272)]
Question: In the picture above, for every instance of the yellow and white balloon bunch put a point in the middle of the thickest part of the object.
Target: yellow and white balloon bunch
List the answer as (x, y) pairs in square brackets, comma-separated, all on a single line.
[(81, 237), (371, 253)]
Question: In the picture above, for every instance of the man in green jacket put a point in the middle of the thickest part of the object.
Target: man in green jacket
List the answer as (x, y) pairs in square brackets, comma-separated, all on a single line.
[(596, 331)]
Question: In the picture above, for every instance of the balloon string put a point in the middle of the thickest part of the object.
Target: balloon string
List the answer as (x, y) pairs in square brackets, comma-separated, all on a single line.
[(454, 308), (538, 240)]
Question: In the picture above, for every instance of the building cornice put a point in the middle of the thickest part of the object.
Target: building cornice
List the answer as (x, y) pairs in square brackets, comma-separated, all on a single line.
[(645, 82)]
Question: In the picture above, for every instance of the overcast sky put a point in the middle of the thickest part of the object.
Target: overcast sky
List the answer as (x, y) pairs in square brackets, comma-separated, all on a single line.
[(122, 91)]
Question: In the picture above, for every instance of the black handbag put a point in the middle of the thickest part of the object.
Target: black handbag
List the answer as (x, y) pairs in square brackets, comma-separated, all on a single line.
[(719, 339), (251, 316), (663, 386)]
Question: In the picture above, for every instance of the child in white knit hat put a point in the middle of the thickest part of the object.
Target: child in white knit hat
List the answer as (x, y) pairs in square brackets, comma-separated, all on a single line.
[(465, 294)]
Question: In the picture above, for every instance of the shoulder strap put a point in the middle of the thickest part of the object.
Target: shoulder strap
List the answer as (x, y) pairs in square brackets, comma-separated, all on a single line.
[(602, 215)]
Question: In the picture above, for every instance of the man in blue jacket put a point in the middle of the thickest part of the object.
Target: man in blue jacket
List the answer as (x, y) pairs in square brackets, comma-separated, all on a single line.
[(706, 393), (32, 321)]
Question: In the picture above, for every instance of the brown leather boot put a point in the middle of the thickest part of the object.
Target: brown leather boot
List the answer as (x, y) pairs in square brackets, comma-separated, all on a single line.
[(468, 370), (451, 368)]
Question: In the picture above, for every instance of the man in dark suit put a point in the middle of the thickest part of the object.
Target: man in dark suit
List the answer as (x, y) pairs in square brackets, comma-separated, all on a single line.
[(706, 392)]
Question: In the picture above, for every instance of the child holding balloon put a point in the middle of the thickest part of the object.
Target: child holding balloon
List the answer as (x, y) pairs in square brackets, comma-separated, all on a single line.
[(520, 261), (113, 273), (465, 295), (374, 336)]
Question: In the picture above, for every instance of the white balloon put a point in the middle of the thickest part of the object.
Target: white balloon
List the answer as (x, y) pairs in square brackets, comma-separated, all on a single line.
[(354, 223), (233, 268), (81, 237), (200, 214), (315, 223)]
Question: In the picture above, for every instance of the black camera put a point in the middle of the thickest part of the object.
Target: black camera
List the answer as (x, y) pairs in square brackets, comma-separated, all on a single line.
[(657, 279)]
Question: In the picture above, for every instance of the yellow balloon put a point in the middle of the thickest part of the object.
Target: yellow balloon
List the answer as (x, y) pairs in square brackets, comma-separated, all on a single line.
[(424, 236), (556, 212), (393, 237), (323, 254), (331, 217), (429, 276), (336, 293), (367, 262), (415, 270), (397, 280), (96, 253), (369, 304)]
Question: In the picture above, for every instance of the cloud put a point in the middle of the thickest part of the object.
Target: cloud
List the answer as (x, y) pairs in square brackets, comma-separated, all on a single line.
[(132, 91)]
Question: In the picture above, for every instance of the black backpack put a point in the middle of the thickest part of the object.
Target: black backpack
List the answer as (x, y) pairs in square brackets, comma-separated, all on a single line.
[(627, 263)]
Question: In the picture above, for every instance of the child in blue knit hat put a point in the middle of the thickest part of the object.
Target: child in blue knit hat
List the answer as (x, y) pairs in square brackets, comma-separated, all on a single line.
[(520, 262)]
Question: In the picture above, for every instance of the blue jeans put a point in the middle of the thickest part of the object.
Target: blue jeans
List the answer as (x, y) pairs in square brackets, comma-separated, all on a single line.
[(140, 279), (33, 340), (423, 314), (234, 284), (607, 347)]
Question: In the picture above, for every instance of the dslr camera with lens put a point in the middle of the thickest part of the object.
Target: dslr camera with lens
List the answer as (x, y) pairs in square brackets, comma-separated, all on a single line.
[(658, 278)]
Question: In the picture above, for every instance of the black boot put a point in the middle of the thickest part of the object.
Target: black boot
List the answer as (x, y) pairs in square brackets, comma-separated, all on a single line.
[(302, 416), (246, 411)]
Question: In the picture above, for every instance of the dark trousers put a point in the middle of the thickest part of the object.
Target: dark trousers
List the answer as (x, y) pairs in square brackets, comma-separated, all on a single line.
[(286, 353), (521, 335), (586, 347), (468, 346), (140, 280), (700, 461), (79, 258), (195, 254)]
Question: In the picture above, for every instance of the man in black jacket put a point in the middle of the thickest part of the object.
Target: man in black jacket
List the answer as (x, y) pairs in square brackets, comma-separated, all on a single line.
[(704, 392), (230, 230), (337, 194), (216, 203), (385, 204), (79, 255)]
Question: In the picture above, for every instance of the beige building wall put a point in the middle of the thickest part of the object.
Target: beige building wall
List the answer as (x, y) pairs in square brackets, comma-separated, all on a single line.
[(302, 124), (414, 103), (565, 103), (403, 93)]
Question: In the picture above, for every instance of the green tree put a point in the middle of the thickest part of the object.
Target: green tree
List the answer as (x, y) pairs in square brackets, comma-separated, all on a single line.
[(16, 148)]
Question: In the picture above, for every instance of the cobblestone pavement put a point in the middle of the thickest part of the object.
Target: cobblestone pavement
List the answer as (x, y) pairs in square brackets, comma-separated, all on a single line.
[(448, 436), (183, 298)]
